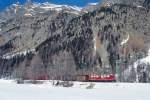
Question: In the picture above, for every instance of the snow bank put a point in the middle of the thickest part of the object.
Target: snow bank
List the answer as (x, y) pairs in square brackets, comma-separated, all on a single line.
[(11, 55), (140, 6), (102, 91), (125, 40), (50, 6), (145, 60)]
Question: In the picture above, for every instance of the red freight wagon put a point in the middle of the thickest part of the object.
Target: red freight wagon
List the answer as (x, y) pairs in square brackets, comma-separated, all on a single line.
[(42, 77), (82, 78)]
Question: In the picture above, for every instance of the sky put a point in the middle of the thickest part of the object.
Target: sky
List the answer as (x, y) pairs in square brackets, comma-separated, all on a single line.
[(81, 3)]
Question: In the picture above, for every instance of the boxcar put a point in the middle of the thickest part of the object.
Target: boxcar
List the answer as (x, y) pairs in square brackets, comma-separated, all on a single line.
[(83, 78)]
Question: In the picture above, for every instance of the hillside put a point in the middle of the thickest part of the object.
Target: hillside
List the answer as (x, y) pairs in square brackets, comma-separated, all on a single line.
[(108, 39)]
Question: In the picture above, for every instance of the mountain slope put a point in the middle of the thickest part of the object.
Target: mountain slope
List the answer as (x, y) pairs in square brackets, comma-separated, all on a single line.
[(70, 44)]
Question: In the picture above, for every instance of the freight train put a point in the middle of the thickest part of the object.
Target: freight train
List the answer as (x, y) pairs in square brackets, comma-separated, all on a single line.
[(83, 78)]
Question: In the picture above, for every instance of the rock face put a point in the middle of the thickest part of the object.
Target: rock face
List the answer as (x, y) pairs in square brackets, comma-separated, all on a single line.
[(144, 3), (28, 32), (147, 3), (62, 44)]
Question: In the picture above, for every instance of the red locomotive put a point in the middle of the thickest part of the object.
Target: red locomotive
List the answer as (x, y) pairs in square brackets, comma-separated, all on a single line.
[(102, 78), (96, 78)]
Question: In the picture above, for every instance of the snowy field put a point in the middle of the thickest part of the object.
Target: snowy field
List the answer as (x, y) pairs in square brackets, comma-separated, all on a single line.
[(9, 90)]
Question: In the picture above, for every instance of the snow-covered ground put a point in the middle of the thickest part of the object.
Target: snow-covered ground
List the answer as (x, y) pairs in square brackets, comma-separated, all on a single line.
[(9, 90)]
